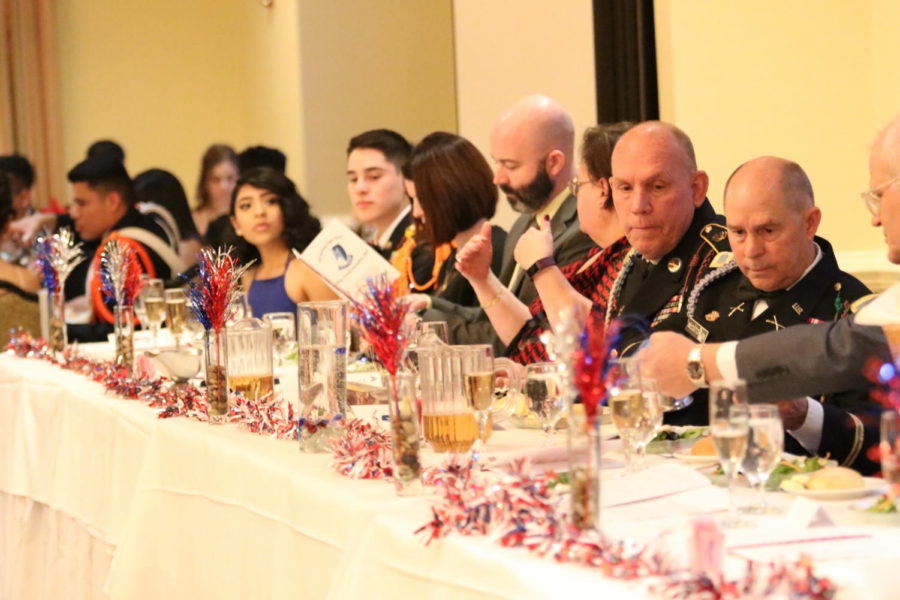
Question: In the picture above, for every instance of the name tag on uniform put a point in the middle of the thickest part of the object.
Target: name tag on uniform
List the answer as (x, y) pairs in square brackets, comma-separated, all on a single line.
[(697, 331)]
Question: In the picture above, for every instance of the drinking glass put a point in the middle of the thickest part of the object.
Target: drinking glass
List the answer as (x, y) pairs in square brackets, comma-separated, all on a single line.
[(543, 388), (764, 448), (432, 332), (890, 451), (478, 374), (635, 408), (176, 313), (284, 331), (250, 359), (140, 311), (322, 358), (151, 295), (729, 426), (448, 423)]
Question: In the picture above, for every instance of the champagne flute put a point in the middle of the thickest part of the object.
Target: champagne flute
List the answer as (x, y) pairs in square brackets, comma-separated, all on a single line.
[(764, 449), (729, 425), (284, 331), (635, 409), (543, 388), (176, 313), (477, 361), (152, 297), (890, 451), (140, 311)]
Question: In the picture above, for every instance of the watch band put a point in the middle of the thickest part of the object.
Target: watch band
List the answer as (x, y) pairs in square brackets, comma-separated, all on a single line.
[(541, 263), (695, 371)]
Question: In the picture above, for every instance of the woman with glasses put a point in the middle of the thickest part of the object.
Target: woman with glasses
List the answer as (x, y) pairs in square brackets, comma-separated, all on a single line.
[(584, 283)]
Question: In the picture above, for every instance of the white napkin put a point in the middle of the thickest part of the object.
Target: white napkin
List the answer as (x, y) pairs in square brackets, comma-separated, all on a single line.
[(665, 479)]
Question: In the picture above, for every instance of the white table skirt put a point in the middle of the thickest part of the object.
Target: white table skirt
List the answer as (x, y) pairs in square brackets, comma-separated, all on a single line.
[(187, 510)]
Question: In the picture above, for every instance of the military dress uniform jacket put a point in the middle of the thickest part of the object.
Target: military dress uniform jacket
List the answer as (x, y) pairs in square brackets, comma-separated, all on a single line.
[(720, 308), (470, 325), (646, 295)]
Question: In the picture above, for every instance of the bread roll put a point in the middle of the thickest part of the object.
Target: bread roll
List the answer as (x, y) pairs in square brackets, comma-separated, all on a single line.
[(835, 478)]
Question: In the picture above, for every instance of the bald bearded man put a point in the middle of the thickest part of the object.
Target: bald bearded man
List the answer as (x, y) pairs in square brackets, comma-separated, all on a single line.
[(532, 144)]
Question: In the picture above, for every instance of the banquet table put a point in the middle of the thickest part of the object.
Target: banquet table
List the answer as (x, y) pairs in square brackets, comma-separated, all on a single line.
[(99, 498)]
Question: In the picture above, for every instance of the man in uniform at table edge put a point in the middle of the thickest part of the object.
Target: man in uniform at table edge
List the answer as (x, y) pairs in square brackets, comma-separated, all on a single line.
[(806, 360)]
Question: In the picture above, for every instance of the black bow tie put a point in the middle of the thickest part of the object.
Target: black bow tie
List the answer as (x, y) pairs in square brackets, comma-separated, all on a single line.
[(746, 291)]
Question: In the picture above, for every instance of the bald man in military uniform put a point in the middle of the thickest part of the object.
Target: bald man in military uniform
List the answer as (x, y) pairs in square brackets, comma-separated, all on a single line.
[(782, 275)]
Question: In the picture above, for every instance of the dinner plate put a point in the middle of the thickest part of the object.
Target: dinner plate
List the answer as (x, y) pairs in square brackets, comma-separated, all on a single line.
[(871, 485)]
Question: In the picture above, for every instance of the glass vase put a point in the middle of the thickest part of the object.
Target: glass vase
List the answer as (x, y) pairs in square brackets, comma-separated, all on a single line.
[(584, 473), (405, 433), (123, 329), (216, 346), (57, 323)]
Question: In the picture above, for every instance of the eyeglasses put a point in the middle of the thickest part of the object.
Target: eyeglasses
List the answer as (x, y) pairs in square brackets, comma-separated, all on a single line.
[(575, 185), (872, 197)]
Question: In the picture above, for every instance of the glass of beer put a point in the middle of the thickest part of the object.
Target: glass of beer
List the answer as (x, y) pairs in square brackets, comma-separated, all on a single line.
[(448, 423), (250, 359), (729, 425), (176, 313)]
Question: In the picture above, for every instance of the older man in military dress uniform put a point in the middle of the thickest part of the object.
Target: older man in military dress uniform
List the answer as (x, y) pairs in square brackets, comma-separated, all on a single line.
[(782, 275)]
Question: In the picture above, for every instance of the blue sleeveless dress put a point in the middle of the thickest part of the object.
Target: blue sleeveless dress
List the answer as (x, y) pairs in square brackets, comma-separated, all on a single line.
[(269, 295)]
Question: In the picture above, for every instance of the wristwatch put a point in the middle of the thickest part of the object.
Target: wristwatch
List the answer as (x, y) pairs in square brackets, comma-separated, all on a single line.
[(541, 263), (695, 371)]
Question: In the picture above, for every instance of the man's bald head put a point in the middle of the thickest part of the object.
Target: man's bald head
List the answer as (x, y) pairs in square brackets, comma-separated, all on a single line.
[(774, 173), (886, 146), (533, 144), (656, 186)]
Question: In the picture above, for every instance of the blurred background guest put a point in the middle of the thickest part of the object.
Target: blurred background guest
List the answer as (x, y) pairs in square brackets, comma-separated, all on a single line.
[(218, 174), (161, 196)]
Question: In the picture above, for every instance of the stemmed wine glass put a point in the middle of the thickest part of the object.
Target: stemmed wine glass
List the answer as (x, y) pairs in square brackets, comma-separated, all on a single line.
[(729, 425), (139, 310), (477, 361), (543, 388), (636, 411), (176, 313), (151, 296), (764, 449), (284, 330)]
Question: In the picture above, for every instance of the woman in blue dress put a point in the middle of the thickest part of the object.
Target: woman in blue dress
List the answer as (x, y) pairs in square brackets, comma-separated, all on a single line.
[(270, 218)]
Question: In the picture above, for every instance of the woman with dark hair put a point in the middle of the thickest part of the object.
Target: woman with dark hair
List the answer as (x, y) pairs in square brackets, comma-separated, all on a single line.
[(453, 194), (270, 219), (160, 195), (583, 284), (218, 173)]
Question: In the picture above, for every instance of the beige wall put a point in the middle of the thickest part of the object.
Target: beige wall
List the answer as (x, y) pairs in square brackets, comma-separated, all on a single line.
[(169, 77), (368, 65), (506, 49), (809, 80)]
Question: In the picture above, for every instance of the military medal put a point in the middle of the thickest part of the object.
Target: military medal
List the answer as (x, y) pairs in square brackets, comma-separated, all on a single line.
[(712, 316), (698, 331)]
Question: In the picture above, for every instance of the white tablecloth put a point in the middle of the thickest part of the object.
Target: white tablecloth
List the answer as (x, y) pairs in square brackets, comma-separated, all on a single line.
[(99, 497)]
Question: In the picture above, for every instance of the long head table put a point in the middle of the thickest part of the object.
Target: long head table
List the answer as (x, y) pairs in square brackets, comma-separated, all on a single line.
[(99, 497)]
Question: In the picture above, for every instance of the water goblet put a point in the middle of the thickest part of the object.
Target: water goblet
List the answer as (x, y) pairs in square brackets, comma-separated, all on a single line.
[(729, 426), (635, 409), (284, 330), (764, 448), (544, 391)]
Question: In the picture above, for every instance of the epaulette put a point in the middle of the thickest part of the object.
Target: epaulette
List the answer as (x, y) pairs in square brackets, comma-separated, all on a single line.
[(716, 237), (859, 302)]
